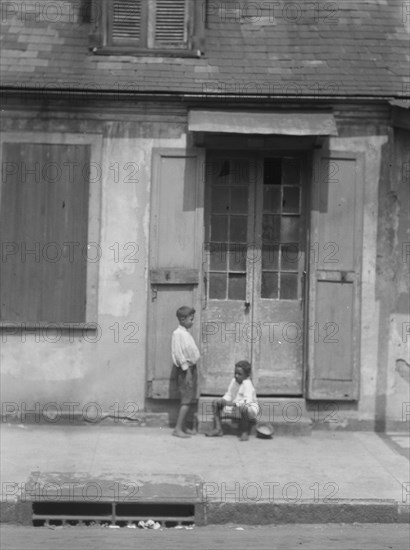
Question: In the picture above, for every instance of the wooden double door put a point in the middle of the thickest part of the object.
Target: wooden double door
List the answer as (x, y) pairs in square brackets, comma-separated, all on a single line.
[(254, 259), (268, 248)]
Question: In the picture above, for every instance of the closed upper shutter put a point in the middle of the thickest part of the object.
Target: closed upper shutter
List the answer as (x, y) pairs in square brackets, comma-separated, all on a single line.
[(128, 26), (127, 20), (171, 23)]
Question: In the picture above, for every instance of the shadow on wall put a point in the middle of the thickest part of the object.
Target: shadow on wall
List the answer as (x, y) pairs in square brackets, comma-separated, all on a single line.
[(403, 368)]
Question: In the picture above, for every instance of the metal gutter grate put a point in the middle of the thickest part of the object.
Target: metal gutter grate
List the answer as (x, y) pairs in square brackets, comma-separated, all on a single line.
[(111, 513)]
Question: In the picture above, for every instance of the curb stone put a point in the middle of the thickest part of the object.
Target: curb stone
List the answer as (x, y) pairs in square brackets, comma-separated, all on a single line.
[(264, 513)]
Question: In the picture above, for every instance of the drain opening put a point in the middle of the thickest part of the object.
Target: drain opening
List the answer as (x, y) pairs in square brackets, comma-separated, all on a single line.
[(111, 513)]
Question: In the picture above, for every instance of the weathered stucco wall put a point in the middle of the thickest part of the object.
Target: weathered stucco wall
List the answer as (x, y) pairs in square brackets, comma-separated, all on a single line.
[(106, 366), (385, 339), (395, 225), (371, 147), (109, 367)]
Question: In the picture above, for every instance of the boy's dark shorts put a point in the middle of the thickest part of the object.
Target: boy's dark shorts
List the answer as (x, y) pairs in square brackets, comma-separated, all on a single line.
[(188, 391)]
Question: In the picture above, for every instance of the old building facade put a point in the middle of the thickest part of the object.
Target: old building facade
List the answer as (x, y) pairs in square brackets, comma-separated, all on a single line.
[(248, 159)]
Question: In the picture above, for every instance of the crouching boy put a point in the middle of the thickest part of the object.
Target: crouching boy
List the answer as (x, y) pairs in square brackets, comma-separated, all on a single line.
[(239, 402)]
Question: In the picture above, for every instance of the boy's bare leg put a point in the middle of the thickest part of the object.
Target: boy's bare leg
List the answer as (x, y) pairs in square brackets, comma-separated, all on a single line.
[(217, 406), (179, 428), (193, 415), (245, 424)]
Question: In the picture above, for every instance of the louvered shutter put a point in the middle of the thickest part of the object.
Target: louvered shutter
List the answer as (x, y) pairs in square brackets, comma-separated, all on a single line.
[(128, 21), (171, 23)]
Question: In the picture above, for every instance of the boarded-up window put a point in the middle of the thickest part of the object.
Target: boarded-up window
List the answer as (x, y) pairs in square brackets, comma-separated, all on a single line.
[(44, 232), (147, 25)]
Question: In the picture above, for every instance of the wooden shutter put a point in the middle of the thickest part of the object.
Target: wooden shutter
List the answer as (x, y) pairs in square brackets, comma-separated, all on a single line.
[(95, 20), (128, 21), (171, 23), (175, 258), (335, 269), (45, 199)]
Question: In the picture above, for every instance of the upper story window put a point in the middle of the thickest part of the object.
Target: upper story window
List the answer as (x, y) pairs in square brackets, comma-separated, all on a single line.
[(147, 26)]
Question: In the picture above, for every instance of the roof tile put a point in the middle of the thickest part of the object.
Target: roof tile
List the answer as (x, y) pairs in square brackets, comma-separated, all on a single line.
[(362, 46)]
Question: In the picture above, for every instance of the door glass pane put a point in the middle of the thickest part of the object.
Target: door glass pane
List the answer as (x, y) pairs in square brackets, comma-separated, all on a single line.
[(217, 286), (270, 257), (271, 198), (271, 228), (289, 286), (219, 228), (228, 220), (290, 203), (239, 199), (238, 228), (291, 171), (289, 230), (217, 171), (220, 199), (230, 223), (269, 285), (217, 257), (290, 257), (237, 259), (239, 172), (281, 248), (272, 171), (237, 286)]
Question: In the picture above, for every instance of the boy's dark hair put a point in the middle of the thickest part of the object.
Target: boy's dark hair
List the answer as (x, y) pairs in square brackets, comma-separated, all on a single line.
[(245, 366), (185, 311)]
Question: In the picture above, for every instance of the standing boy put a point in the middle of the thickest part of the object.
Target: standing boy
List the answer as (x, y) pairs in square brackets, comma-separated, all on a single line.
[(185, 356)]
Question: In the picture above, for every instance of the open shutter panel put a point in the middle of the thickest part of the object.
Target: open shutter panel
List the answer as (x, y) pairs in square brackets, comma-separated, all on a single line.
[(171, 23), (334, 311), (175, 258), (127, 21)]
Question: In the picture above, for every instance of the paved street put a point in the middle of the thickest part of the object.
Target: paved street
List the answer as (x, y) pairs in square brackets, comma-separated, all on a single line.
[(228, 537)]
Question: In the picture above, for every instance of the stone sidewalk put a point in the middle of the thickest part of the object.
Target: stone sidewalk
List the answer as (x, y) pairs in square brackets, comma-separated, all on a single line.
[(326, 477)]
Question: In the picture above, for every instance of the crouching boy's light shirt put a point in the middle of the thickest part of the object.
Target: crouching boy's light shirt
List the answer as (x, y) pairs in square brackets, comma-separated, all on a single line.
[(242, 394), (184, 349)]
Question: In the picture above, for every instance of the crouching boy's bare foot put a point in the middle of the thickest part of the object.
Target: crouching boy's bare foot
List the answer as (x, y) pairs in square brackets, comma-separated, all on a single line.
[(216, 432), (180, 433), (190, 432)]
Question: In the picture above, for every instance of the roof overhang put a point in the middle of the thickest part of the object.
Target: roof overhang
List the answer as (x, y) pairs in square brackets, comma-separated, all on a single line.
[(239, 122), (401, 113)]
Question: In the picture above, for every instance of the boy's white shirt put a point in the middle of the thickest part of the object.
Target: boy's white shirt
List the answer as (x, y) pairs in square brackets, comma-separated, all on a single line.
[(184, 350), (241, 393)]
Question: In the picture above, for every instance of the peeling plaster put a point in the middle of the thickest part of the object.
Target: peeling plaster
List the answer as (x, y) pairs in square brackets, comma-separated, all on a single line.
[(44, 361)]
